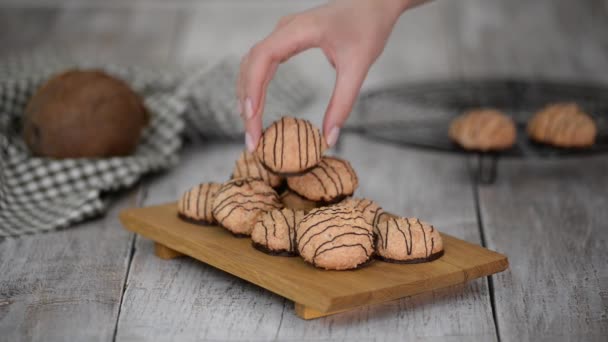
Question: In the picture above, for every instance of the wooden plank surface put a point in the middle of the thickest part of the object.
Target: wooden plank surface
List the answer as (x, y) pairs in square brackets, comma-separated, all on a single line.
[(65, 285), (550, 218), (544, 214)]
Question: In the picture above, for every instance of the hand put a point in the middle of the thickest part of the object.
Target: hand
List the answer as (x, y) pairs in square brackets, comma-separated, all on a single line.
[(351, 33)]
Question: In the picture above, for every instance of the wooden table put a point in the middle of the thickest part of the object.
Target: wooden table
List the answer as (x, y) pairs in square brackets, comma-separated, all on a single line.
[(97, 281)]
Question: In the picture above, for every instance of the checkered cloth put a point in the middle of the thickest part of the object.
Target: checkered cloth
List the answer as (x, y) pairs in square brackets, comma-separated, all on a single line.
[(41, 194)]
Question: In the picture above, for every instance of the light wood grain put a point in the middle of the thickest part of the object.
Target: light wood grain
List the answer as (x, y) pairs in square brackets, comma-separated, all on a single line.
[(165, 252), (550, 218), (65, 285)]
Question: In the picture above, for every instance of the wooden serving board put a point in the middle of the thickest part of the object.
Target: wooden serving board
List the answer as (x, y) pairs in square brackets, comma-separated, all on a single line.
[(315, 292)]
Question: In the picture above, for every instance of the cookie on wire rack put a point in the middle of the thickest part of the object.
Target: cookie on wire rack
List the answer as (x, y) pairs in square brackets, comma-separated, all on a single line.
[(483, 130)]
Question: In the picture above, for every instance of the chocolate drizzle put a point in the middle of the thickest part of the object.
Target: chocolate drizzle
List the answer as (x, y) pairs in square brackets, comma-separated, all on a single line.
[(248, 166), (403, 228), (244, 198), (333, 230), (330, 179), (275, 230), (286, 135), (196, 199)]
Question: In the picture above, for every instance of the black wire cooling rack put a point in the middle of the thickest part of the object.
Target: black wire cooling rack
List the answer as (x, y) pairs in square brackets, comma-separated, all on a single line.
[(419, 114)]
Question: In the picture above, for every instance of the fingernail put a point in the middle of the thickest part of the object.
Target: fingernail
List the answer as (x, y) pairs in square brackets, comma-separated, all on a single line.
[(332, 138), (249, 143), (248, 109)]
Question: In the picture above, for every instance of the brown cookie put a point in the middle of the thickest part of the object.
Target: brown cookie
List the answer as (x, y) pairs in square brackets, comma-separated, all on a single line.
[(330, 181), (370, 209), (275, 232), (290, 146), (239, 202), (196, 204), (294, 201), (407, 240), (563, 125), (483, 130), (335, 238), (248, 165)]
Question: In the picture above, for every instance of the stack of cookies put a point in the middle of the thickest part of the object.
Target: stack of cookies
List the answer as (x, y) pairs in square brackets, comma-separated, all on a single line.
[(292, 200)]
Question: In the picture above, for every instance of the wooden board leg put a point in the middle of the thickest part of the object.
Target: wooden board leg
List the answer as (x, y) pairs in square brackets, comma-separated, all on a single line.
[(306, 312), (165, 252)]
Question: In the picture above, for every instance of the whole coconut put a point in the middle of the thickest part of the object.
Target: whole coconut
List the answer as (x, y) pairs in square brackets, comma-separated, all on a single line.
[(84, 113)]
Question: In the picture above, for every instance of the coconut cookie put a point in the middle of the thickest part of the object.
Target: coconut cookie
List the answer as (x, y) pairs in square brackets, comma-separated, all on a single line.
[(196, 204), (294, 201), (275, 232), (291, 145), (407, 241), (483, 130), (563, 125), (335, 238), (330, 181), (239, 202), (370, 209), (249, 166)]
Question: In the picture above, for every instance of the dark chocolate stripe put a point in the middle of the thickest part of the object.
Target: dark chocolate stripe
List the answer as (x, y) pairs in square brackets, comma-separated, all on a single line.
[(353, 176), (289, 230), (314, 140), (264, 148), (408, 248), (367, 206), (261, 171), (229, 197), (386, 236), (243, 208), (306, 127), (198, 197), (265, 230), (299, 143), (318, 251), (223, 205), (274, 148), (282, 140), (426, 251), (188, 196), (274, 224), (328, 227), (325, 220), (337, 175), (207, 193), (337, 210), (319, 180), (409, 229)]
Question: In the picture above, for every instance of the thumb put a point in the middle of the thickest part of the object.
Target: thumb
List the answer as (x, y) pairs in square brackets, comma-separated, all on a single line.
[(348, 84)]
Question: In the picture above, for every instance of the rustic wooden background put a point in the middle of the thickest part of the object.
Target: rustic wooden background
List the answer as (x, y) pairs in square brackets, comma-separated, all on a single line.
[(96, 281)]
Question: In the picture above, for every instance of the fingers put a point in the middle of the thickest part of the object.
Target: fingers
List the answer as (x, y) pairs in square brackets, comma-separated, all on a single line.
[(348, 84), (258, 67)]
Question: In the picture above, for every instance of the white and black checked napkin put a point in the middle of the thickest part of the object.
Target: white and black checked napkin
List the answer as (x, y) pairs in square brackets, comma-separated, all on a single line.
[(41, 194)]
